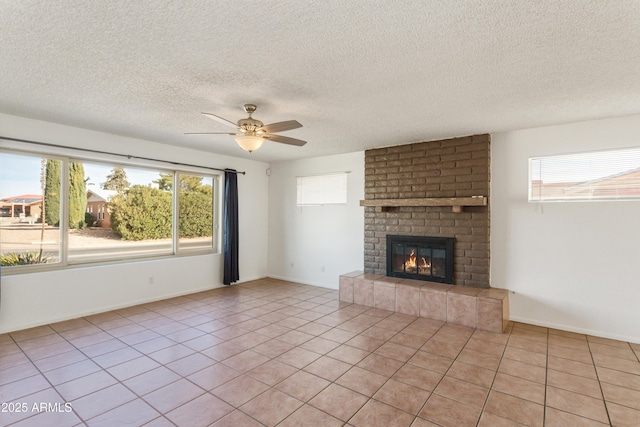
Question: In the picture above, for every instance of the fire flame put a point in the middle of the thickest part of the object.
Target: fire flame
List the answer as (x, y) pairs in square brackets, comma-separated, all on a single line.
[(412, 262)]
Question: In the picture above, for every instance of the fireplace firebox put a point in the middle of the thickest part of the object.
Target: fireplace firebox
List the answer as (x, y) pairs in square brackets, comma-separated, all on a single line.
[(420, 257)]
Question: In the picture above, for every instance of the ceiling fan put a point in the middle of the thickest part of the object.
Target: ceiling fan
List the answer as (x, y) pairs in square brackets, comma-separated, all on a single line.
[(251, 133)]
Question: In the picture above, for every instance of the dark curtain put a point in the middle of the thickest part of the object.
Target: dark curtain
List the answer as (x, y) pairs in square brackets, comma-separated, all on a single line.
[(231, 272)]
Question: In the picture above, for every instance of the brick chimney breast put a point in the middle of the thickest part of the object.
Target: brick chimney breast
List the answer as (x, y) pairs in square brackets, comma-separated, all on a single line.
[(458, 167)]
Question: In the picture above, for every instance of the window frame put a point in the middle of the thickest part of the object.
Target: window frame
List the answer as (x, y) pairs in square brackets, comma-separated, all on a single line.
[(63, 239), (215, 238)]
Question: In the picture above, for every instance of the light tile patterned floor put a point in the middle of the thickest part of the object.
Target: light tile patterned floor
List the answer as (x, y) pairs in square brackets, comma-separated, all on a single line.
[(277, 353)]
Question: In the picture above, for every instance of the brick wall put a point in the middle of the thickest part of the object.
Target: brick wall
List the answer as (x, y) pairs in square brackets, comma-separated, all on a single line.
[(456, 167)]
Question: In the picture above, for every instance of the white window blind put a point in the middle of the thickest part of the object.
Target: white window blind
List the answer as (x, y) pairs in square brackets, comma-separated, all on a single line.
[(330, 189), (596, 175)]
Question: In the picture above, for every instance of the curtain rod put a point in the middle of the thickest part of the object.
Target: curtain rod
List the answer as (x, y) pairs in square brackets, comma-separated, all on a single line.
[(128, 156)]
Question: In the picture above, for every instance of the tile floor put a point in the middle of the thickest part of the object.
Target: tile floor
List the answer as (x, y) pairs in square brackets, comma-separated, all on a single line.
[(277, 353)]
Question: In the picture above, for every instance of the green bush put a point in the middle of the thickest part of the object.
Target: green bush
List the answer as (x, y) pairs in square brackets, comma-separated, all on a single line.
[(23, 258), (141, 213), (88, 219), (196, 214)]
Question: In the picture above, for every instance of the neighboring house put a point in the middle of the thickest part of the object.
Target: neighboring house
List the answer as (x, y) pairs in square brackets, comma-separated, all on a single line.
[(26, 205), (621, 185), (97, 206)]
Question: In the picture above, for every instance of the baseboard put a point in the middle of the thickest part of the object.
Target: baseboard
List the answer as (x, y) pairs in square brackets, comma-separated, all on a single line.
[(304, 282), (578, 330), (248, 279)]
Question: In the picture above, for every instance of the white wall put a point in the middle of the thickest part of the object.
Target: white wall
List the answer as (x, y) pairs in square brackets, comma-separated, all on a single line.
[(35, 299), (304, 240), (572, 265)]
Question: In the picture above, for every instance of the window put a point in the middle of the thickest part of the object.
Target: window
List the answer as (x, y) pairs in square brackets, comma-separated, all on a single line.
[(30, 192), (596, 175), (138, 221), (111, 212), (327, 189), (196, 212)]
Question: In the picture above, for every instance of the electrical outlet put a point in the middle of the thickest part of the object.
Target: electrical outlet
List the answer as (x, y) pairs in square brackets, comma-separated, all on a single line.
[(151, 280), (292, 265), (322, 269)]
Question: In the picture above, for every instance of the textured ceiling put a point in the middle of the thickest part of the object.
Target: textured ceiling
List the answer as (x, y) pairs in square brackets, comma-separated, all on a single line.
[(357, 74)]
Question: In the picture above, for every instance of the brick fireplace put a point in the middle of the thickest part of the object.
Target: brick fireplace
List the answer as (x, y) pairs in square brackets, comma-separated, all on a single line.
[(451, 173)]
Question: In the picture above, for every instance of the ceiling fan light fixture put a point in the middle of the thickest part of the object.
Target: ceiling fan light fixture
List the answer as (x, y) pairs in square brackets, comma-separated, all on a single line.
[(249, 142)]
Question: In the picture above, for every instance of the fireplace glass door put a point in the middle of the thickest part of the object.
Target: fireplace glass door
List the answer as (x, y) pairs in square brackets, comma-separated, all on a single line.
[(419, 257)]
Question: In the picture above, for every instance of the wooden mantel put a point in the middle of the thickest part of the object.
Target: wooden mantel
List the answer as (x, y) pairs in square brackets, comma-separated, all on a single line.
[(457, 203)]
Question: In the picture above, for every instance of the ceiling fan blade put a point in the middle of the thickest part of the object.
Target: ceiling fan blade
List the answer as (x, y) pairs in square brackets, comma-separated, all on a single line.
[(209, 133), (281, 126), (220, 120), (286, 140)]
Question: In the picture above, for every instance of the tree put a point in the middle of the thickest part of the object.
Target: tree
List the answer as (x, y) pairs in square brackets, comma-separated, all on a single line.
[(116, 180), (165, 182), (187, 182), (77, 195), (191, 183), (52, 192)]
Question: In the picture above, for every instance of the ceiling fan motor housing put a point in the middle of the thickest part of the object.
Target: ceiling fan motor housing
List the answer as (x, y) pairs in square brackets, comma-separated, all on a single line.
[(250, 125)]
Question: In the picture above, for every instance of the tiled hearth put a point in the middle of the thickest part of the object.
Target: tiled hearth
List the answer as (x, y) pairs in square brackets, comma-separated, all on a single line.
[(486, 309), (275, 353)]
